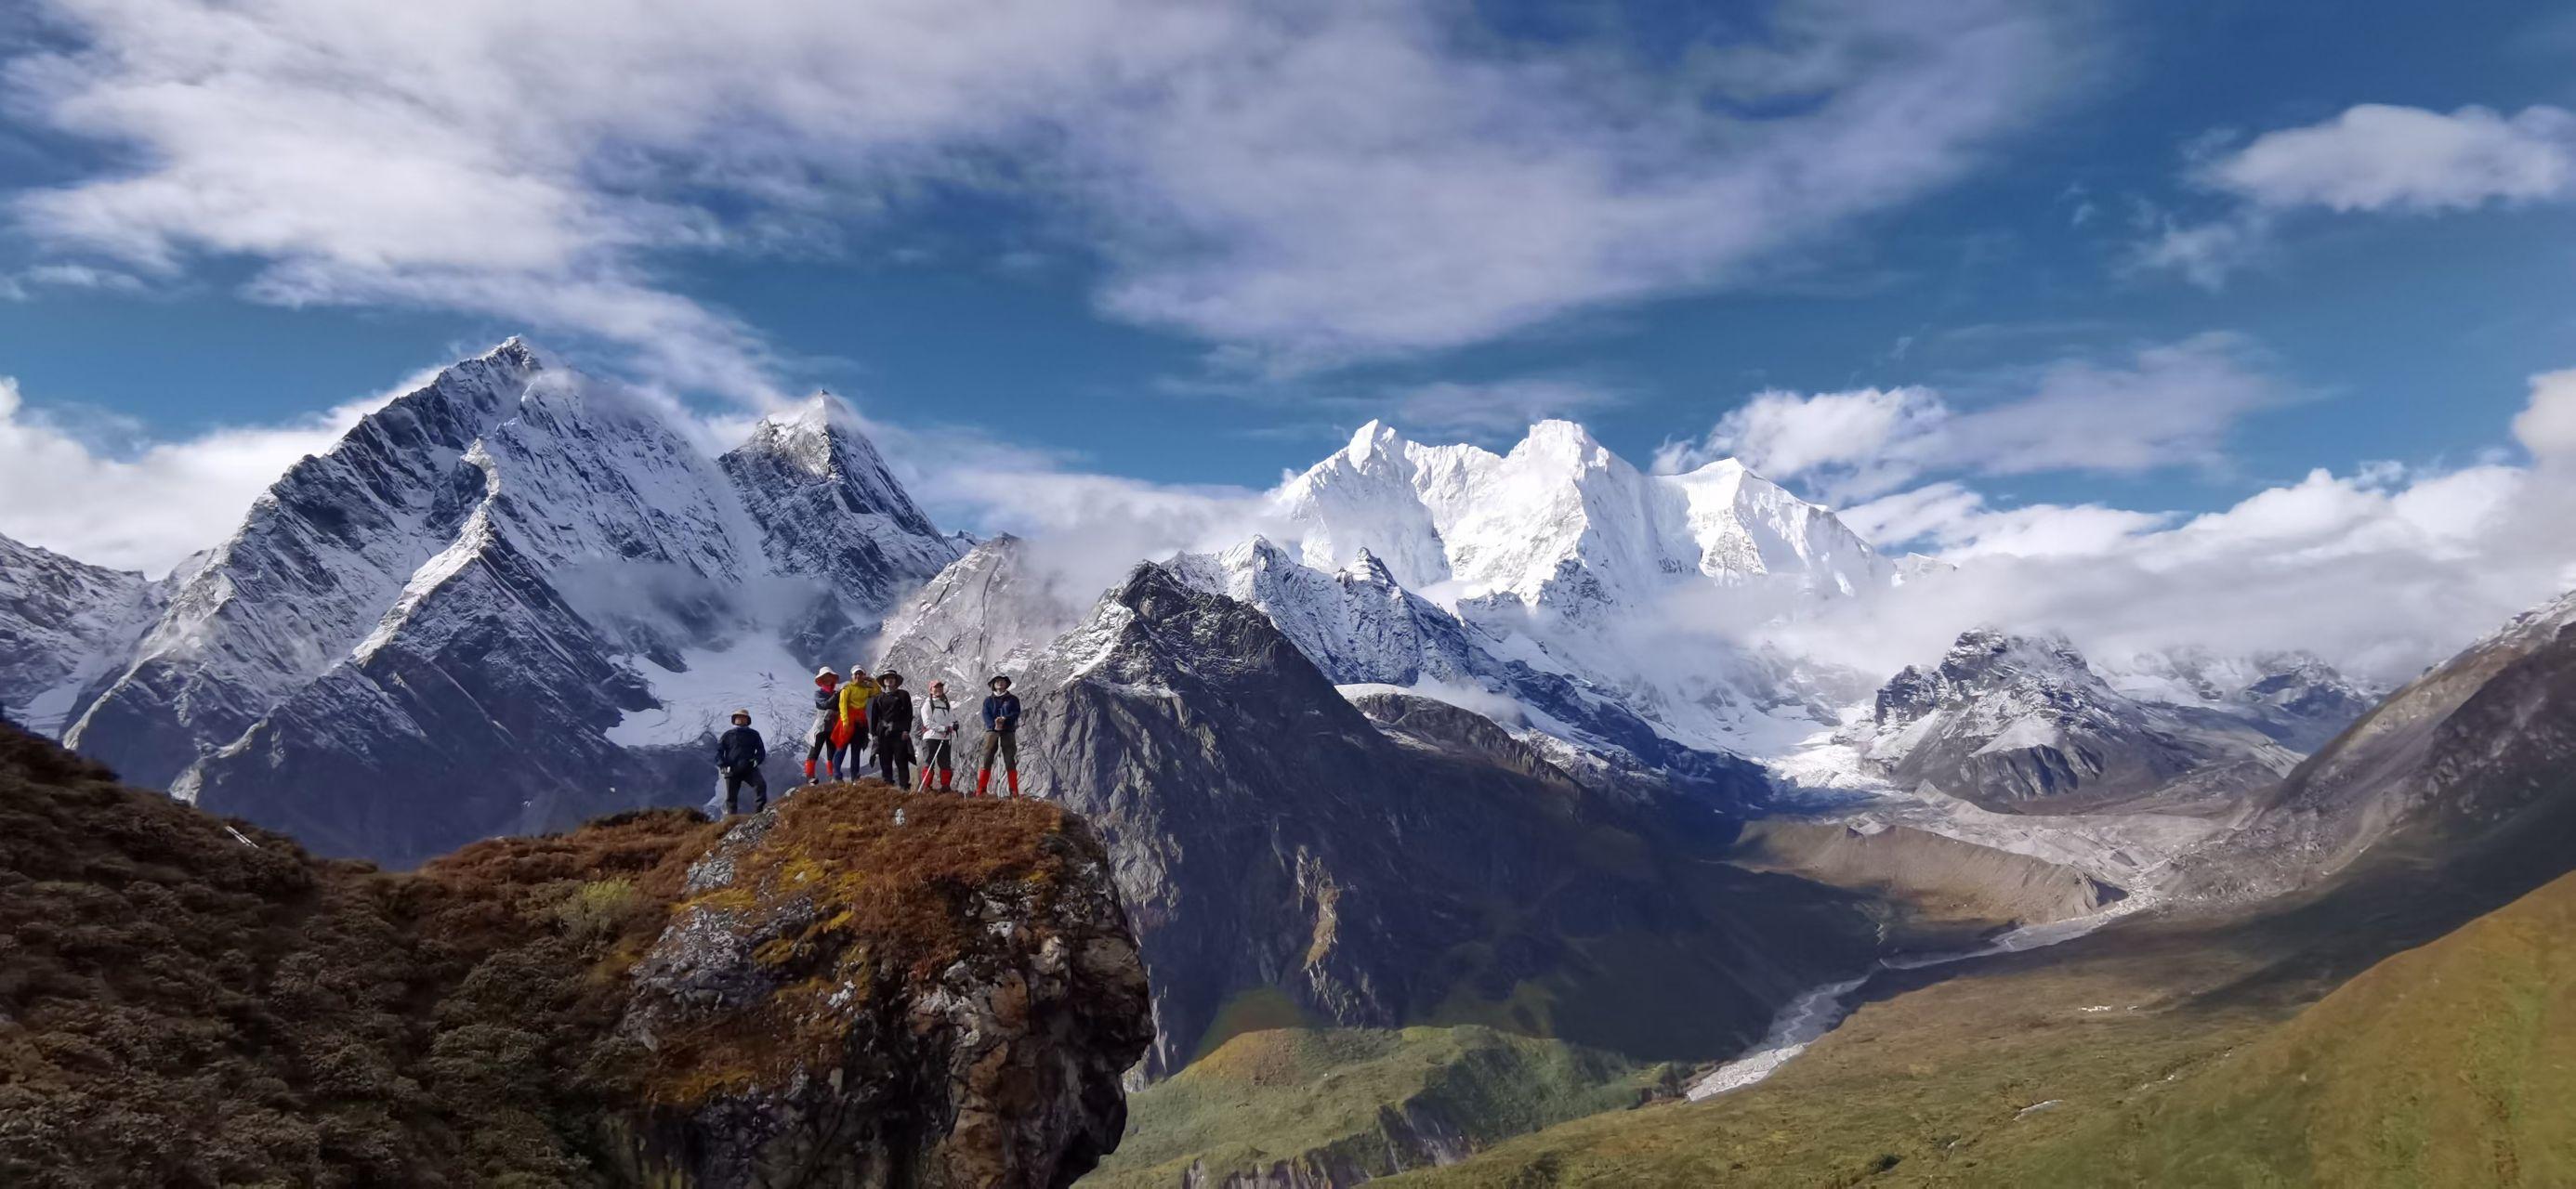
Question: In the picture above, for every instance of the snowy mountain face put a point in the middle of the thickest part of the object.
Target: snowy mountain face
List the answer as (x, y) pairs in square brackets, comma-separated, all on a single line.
[(1560, 521), (1569, 561), (62, 624), (985, 615), (2012, 722), (1358, 625), (2296, 698), (467, 615)]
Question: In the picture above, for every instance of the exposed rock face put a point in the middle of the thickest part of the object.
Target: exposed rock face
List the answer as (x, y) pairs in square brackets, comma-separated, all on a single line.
[(1269, 838), (2473, 759), (2013, 722), (987, 1055), (814, 996)]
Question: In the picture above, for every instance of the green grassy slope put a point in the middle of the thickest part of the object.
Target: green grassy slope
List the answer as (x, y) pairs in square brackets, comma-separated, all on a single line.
[(1338, 1102), (2174, 1053), (2451, 1064)]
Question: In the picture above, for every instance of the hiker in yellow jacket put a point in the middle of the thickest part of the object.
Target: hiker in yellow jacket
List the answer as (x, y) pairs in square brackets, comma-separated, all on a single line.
[(852, 731)]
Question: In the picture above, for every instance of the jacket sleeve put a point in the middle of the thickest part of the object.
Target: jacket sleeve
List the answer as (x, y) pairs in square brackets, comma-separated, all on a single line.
[(759, 750)]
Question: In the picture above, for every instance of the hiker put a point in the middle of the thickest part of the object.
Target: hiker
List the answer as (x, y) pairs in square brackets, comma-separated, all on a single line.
[(827, 722), (890, 719), (739, 755), (1001, 733), (856, 693), (936, 719)]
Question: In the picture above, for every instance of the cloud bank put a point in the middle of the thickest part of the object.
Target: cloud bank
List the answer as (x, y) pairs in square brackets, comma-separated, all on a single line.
[(2384, 570), (1307, 183), (2170, 405)]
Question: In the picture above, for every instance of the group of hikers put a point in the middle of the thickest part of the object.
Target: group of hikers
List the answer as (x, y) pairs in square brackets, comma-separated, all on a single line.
[(877, 715)]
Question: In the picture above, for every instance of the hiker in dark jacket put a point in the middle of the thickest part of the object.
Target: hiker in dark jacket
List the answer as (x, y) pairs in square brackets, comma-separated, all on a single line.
[(1001, 733), (739, 755), (890, 725)]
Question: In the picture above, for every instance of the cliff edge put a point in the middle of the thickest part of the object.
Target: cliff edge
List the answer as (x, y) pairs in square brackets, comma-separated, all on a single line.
[(816, 995)]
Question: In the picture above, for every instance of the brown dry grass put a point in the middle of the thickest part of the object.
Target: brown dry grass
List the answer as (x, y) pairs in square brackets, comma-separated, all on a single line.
[(180, 1007)]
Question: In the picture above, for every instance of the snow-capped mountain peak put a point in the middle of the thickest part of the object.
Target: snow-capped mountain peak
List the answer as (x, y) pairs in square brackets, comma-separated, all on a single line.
[(1562, 521), (499, 569)]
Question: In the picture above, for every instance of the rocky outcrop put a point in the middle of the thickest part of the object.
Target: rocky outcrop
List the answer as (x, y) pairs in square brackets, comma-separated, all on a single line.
[(894, 1043), (857, 988), (1272, 840)]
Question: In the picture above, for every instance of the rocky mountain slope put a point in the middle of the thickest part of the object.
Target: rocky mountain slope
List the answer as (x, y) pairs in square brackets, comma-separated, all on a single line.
[(2012, 722), (1280, 849), (62, 624), (816, 996), (435, 630), (2472, 759)]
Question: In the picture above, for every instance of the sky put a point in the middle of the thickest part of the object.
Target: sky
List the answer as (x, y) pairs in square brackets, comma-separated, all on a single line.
[(2015, 279)]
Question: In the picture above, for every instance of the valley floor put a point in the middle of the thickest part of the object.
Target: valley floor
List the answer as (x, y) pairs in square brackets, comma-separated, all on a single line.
[(2181, 1051)]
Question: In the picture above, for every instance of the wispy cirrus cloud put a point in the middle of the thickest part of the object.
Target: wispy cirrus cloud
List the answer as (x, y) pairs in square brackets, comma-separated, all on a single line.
[(1309, 184)]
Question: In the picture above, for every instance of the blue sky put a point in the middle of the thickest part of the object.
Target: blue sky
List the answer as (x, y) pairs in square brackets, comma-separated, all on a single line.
[(1199, 245)]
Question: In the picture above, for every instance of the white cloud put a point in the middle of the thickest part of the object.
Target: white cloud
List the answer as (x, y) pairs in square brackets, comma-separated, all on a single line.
[(2206, 254), (1314, 182), (2170, 405), (2547, 426), (2376, 157), (2372, 157), (1085, 528), (137, 503), (2383, 570)]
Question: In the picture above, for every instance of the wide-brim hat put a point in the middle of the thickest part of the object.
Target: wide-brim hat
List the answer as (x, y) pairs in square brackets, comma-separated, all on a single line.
[(889, 675), (744, 715), (826, 671), (999, 679)]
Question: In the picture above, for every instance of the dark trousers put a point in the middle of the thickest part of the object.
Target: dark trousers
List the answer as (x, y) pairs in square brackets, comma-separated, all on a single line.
[(733, 783), (938, 755), (823, 748), (894, 760)]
